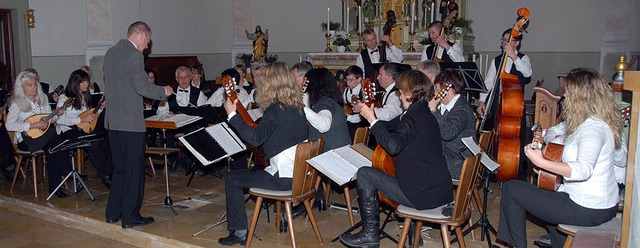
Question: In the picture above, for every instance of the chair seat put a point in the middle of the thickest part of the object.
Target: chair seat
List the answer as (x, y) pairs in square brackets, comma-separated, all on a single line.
[(434, 213), (28, 153), (270, 192), (612, 226), (160, 150)]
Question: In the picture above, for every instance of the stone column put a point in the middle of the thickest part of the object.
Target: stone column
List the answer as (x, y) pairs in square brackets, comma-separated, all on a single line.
[(617, 37), (99, 35), (242, 20)]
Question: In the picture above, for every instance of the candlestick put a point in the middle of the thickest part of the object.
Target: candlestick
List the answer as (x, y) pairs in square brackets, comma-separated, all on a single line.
[(328, 49), (328, 10), (360, 23), (347, 28), (359, 42), (413, 15), (411, 34)]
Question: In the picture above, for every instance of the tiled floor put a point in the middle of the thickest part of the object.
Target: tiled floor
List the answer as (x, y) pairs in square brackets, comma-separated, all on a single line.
[(197, 206)]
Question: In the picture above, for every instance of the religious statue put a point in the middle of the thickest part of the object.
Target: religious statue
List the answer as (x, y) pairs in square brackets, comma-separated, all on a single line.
[(260, 42)]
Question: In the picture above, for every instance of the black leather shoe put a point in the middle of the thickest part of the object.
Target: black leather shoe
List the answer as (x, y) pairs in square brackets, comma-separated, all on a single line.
[(143, 221), (321, 205), (232, 239), (113, 220), (106, 180), (61, 194)]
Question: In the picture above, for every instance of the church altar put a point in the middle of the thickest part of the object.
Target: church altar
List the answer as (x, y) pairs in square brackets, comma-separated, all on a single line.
[(340, 61)]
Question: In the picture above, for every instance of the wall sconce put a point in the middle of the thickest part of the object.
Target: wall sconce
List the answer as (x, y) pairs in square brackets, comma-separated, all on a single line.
[(31, 18)]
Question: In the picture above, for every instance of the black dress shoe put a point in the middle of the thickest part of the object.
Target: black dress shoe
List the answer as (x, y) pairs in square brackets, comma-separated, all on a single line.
[(232, 239), (106, 180), (113, 220), (61, 194), (321, 205), (143, 221)]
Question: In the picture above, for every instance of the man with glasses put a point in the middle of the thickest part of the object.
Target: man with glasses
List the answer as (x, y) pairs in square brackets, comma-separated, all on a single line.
[(126, 84), (391, 105), (187, 95), (354, 77), (372, 54)]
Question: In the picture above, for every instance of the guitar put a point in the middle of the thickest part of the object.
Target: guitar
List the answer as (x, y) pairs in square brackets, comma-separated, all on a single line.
[(35, 132), (88, 127), (229, 85), (443, 92), (551, 151)]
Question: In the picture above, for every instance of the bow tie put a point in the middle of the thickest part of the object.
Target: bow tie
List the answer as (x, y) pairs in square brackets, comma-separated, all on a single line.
[(374, 51), (185, 91)]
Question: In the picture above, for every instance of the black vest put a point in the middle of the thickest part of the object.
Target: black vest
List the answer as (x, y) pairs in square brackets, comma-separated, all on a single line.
[(368, 64), (521, 78), (393, 90), (194, 93), (347, 100), (445, 56)]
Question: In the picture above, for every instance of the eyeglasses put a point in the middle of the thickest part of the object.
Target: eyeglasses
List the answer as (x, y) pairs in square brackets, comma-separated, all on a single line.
[(351, 79), (185, 77), (148, 37)]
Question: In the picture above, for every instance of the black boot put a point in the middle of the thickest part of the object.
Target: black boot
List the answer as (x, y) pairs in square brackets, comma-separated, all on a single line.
[(369, 236), (412, 231)]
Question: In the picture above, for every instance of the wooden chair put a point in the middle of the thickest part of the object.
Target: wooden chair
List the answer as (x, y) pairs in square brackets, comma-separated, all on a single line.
[(302, 190), (546, 112), (460, 213), (613, 226), (32, 157), (361, 137), (158, 151)]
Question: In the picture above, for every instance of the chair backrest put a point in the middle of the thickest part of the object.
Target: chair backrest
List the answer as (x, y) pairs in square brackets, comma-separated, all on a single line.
[(468, 178), (304, 175), (361, 136), (486, 140), (546, 107)]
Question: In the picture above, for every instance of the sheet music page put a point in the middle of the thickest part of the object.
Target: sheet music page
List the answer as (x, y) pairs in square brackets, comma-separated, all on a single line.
[(473, 147), (488, 162), (334, 167), (225, 138), (179, 119), (352, 157)]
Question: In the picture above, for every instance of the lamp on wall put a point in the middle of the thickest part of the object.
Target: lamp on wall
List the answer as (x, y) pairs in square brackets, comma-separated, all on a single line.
[(31, 18)]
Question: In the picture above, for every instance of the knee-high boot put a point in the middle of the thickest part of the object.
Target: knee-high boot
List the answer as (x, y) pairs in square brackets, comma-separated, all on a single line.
[(369, 236)]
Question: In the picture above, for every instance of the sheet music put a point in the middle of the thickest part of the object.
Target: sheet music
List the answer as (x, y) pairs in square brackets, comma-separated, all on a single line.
[(226, 138), (340, 164), (179, 119), (212, 144), (475, 149)]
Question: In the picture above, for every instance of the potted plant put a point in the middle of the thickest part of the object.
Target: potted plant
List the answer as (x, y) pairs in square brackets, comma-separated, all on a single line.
[(342, 41), (333, 26), (270, 58), (463, 26), (246, 59)]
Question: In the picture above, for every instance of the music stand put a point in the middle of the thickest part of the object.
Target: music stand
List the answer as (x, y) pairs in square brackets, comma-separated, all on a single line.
[(68, 145), (470, 75)]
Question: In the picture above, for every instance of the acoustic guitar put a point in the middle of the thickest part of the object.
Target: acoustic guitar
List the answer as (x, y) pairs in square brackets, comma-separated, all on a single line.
[(229, 85), (35, 133), (88, 127)]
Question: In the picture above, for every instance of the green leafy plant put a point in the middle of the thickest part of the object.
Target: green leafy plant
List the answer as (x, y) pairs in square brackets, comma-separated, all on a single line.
[(332, 26), (465, 24), (342, 39), (246, 59), (270, 58)]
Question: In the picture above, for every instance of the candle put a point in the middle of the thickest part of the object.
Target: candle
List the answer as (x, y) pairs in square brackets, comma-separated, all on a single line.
[(328, 10), (301, 57), (432, 12), (360, 23), (413, 15), (347, 28)]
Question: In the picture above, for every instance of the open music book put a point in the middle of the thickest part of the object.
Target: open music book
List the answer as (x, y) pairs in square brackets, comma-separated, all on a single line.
[(341, 164), (212, 144), (475, 149), (180, 120)]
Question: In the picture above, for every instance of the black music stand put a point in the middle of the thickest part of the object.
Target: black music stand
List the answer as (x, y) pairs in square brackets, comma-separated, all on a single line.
[(68, 145), (470, 75)]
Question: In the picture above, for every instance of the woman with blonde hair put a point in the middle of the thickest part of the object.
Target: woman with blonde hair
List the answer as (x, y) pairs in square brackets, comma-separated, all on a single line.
[(591, 134), (282, 127)]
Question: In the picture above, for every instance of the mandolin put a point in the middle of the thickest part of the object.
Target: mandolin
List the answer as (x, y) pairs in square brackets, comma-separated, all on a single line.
[(88, 127), (35, 133), (229, 85)]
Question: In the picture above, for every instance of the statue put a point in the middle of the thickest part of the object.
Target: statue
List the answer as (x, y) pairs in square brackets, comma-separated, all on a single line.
[(260, 42)]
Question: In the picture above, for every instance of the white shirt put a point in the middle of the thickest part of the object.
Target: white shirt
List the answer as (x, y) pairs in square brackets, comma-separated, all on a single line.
[(217, 98), (70, 117), (392, 105), (320, 121), (454, 52), (15, 118), (449, 106), (523, 65), (348, 92), (182, 99), (590, 152), (394, 54)]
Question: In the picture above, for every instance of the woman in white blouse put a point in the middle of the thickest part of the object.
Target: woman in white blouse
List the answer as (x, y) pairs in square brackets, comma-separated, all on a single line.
[(78, 88), (28, 100), (589, 194)]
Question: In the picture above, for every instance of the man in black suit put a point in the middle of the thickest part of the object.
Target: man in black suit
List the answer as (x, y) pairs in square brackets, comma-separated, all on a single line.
[(447, 51), (372, 54), (126, 84)]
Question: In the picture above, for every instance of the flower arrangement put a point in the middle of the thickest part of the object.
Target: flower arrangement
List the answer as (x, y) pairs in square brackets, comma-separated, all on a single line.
[(270, 58), (425, 38), (342, 39), (332, 26), (246, 59)]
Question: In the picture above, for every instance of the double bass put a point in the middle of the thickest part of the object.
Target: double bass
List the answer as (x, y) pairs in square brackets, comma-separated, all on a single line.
[(446, 25), (510, 110)]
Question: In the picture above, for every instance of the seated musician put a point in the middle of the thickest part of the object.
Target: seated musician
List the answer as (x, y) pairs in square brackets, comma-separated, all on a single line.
[(429, 68), (186, 96), (455, 118), (28, 100), (299, 70), (254, 110), (100, 152), (447, 51), (589, 194), (198, 80), (218, 97), (282, 127), (391, 104), (354, 77), (373, 54), (422, 181)]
